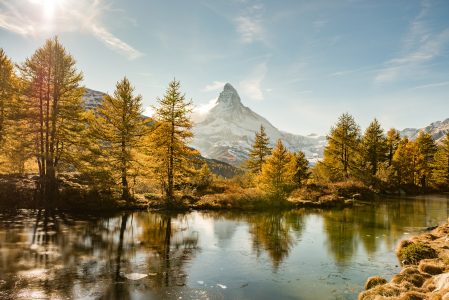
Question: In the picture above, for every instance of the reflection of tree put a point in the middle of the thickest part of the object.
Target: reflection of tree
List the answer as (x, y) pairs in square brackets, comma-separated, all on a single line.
[(273, 232), (339, 226), (380, 222), (61, 258), (171, 244)]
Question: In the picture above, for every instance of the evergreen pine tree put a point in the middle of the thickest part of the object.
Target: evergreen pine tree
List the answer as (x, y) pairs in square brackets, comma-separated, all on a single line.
[(18, 144), (119, 128), (301, 168), (440, 172), (170, 139), (342, 148), (278, 171), (373, 147), (393, 139), (6, 91), (54, 97), (203, 177), (259, 152), (406, 162), (427, 149)]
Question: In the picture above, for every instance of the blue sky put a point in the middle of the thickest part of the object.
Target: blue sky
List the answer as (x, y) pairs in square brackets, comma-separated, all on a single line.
[(298, 63)]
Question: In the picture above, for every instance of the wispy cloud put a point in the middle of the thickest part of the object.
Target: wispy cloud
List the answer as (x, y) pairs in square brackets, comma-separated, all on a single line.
[(114, 42), (249, 25), (252, 86), (431, 85), (420, 45), (214, 86), (200, 112), (32, 18)]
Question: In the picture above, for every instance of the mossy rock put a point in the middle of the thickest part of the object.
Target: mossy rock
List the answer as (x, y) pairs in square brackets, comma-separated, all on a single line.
[(374, 281), (413, 253)]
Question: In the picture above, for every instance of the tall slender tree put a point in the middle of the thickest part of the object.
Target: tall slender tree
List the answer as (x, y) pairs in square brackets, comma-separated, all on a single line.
[(440, 172), (119, 128), (342, 148), (373, 147), (6, 91), (278, 172), (259, 152), (301, 168), (54, 95), (427, 149), (406, 161), (393, 139), (170, 138)]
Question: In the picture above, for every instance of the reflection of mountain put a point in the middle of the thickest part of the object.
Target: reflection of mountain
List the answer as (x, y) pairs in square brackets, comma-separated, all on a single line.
[(224, 230)]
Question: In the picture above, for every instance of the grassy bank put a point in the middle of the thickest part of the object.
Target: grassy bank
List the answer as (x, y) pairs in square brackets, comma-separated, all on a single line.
[(425, 270), (75, 193)]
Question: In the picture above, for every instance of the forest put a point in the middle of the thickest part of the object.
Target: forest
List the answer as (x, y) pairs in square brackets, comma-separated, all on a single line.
[(57, 151)]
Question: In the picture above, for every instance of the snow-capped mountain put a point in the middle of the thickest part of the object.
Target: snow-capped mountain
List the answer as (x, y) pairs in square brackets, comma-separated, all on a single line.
[(437, 129), (228, 131)]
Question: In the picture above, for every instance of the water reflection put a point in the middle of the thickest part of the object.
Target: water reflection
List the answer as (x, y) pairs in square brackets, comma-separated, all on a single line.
[(275, 233), (50, 254)]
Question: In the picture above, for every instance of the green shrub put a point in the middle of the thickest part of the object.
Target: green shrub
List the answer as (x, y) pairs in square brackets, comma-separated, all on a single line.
[(413, 253)]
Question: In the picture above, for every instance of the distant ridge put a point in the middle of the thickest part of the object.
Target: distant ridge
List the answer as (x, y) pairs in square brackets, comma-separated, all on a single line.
[(92, 98), (437, 129)]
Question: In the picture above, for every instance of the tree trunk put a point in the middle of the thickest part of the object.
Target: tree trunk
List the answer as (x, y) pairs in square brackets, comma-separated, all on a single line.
[(170, 162), (125, 188)]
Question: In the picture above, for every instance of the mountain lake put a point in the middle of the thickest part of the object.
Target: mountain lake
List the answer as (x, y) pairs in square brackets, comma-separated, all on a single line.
[(298, 254)]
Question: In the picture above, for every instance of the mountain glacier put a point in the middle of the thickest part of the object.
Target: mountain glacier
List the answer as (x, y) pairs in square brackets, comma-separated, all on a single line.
[(228, 131)]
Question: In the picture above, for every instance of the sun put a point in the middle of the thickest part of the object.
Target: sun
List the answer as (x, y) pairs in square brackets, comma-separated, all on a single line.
[(48, 6)]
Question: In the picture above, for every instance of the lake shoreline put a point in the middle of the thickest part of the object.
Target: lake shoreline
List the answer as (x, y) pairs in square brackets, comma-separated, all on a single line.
[(20, 192), (425, 269)]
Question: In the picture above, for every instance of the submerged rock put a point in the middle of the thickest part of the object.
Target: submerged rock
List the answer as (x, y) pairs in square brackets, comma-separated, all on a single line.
[(135, 276)]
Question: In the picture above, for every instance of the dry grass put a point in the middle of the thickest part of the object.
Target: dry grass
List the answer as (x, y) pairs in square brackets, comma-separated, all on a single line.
[(380, 292), (250, 198), (374, 281), (424, 277), (431, 266)]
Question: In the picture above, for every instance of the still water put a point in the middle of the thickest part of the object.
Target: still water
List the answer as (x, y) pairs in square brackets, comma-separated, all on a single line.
[(300, 254)]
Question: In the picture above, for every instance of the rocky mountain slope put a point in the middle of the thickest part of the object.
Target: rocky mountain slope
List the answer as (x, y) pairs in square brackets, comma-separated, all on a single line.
[(437, 129), (92, 98), (228, 130)]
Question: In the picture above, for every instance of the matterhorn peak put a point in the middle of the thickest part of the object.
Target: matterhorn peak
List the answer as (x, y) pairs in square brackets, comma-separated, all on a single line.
[(229, 96)]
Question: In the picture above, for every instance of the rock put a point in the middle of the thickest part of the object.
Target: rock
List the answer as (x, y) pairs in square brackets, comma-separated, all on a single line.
[(135, 276), (357, 196), (374, 281), (441, 281), (349, 202)]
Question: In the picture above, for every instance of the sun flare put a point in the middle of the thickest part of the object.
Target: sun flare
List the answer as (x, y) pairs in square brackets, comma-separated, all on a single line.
[(49, 7)]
